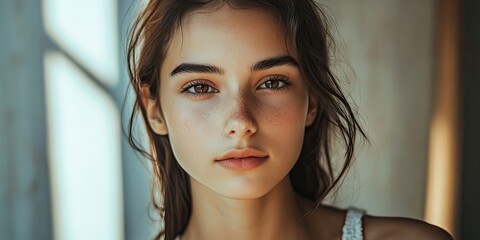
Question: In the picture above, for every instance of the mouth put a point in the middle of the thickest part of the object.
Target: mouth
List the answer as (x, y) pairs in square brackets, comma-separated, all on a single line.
[(242, 164), (242, 159)]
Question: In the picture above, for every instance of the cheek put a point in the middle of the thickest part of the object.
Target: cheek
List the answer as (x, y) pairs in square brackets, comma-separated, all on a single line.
[(284, 125), (188, 128), (285, 118)]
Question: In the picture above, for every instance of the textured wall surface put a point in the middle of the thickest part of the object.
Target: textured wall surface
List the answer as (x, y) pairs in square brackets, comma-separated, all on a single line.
[(24, 186), (389, 45)]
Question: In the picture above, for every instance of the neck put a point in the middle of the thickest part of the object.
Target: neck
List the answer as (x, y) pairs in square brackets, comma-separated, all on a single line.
[(276, 215)]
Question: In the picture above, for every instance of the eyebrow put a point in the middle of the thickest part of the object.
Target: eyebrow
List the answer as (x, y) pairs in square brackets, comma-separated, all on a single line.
[(195, 68), (274, 62), (261, 65)]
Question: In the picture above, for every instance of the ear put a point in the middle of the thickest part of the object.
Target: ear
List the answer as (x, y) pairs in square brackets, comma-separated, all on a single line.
[(312, 111), (154, 114)]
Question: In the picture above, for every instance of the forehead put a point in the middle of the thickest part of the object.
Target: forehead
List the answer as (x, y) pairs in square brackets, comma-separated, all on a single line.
[(233, 17), (239, 35)]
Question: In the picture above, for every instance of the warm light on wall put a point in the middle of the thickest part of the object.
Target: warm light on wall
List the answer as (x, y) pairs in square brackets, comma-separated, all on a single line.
[(442, 182)]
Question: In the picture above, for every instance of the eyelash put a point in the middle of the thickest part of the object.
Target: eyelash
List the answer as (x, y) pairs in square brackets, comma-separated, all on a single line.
[(282, 80), (197, 83)]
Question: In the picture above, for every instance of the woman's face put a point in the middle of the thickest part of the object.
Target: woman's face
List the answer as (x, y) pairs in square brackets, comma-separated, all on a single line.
[(228, 82)]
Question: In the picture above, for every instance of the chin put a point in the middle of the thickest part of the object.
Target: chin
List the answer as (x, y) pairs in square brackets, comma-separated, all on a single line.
[(244, 191)]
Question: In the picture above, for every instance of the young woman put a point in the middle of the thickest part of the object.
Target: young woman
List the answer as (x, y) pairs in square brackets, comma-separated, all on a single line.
[(242, 111)]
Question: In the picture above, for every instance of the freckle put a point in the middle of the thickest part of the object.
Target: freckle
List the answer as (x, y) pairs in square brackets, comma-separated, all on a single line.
[(276, 117), (245, 110)]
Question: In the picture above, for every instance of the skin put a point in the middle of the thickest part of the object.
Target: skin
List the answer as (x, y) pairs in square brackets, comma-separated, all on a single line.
[(236, 110)]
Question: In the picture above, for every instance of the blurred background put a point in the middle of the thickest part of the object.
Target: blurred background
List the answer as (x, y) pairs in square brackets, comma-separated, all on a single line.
[(67, 172)]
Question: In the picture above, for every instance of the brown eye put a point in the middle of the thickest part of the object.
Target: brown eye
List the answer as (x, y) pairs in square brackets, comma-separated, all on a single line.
[(198, 88), (275, 83), (201, 88), (272, 84)]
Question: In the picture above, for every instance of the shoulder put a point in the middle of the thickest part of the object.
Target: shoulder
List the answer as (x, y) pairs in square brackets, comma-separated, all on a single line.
[(327, 222), (401, 228)]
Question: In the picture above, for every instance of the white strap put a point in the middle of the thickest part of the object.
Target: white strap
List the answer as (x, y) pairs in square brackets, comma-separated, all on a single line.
[(352, 230)]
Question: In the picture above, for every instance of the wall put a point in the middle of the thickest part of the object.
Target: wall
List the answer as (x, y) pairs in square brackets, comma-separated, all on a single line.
[(25, 211), (470, 119), (389, 45)]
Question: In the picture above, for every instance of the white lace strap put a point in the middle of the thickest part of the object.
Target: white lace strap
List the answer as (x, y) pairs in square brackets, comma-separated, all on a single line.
[(352, 230)]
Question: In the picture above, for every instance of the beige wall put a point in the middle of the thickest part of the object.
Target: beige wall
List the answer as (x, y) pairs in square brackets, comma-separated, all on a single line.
[(389, 45)]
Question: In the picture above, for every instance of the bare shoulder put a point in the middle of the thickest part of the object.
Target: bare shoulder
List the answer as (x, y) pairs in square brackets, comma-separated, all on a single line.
[(401, 228), (327, 222)]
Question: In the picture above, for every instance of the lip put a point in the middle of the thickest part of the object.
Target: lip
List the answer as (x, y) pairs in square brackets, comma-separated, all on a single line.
[(242, 159), (242, 153)]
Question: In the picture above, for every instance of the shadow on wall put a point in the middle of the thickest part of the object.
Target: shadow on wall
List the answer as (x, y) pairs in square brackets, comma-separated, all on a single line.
[(69, 163)]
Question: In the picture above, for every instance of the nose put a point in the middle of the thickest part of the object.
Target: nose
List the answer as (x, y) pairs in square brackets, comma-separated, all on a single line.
[(240, 121)]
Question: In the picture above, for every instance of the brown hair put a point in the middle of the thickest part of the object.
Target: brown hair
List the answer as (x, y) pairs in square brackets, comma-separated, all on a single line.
[(306, 25)]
